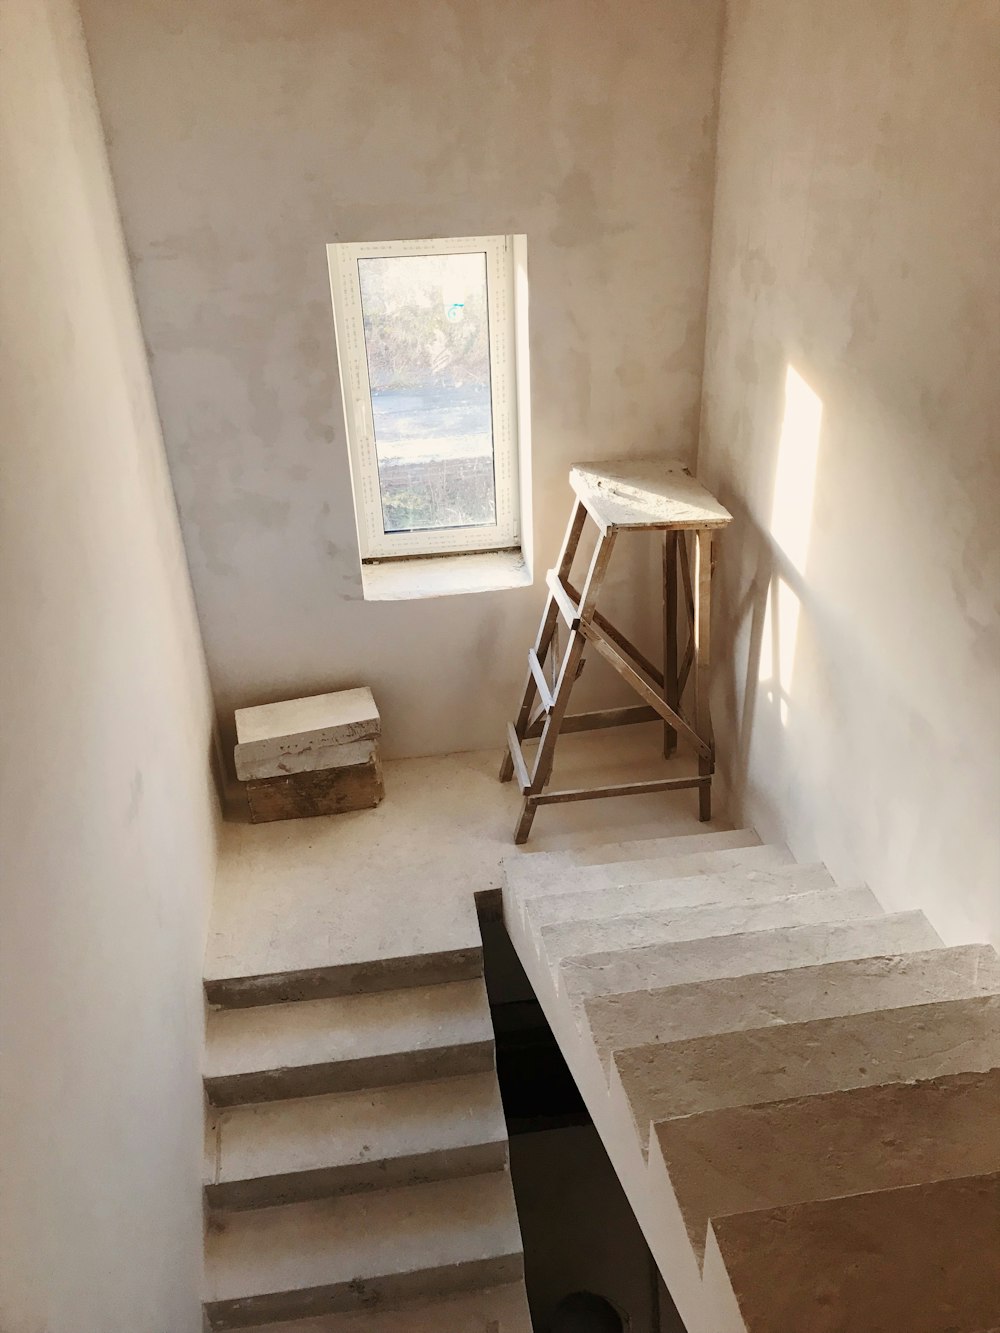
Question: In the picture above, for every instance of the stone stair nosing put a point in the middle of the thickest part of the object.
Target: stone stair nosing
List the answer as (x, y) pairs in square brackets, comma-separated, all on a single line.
[(924, 1258), (487, 1310), (661, 1081), (854, 1141), (615, 972), (730, 1004), (306, 1148), (309, 1047), (744, 885), (361, 1251), (228, 990), (568, 939)]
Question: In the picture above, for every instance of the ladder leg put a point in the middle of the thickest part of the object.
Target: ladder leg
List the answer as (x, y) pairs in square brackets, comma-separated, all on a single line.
[(546, 630), (568, 673), (702, 662), (525, 821), (671, 691)]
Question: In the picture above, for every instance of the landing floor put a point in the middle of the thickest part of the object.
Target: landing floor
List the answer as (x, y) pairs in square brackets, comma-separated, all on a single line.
[(400, 880)]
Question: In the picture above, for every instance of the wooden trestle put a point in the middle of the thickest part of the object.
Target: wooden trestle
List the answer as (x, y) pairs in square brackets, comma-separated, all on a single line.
[(634, 495)]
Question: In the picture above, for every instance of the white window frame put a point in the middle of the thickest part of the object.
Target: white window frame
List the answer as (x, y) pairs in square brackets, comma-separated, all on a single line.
[(375, 543)]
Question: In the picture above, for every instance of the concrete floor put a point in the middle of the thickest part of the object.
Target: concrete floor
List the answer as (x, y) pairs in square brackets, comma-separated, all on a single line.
[(400, 880)]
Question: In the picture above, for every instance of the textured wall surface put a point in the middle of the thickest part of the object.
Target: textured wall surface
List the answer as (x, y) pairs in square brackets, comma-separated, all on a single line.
[(107, 812), (851, 420), (245, 137)]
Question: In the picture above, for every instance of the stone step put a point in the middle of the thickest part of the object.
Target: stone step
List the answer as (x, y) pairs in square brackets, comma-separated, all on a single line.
[(432, 968), (574, 938), (746, 1158), (623, 829), (527, 878), (743, 885), (600, 852), (616, 971), (730, 1004), (342, 1143), (347, 1043), (924, 1259), (361, 1251), (805, 1059), (488, 1310)]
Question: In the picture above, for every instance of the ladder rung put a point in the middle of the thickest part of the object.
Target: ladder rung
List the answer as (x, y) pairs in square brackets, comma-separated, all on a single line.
[(569, 609), (541, 684), (620, 789), (596, 721), (517, 758)]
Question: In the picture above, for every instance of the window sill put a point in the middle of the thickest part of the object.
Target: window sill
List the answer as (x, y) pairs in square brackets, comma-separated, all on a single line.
[(443, 576)]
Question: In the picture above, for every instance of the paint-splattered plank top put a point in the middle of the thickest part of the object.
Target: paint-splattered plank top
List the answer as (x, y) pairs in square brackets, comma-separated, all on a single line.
[(652, 493)]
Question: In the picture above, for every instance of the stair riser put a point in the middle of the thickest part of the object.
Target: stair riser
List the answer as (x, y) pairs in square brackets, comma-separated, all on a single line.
[(698, 891), (366, 1294), (645, 849), (683, 962), (789, 996), (792, 1061), (354, 979), (616, 874), (577, 939), (380, 1071), (485, 1310), (815, 1148), (358, 1178)]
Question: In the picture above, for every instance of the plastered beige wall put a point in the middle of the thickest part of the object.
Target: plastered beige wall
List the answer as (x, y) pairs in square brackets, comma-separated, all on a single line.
[(245, 137), (107, 812), (856, 241)]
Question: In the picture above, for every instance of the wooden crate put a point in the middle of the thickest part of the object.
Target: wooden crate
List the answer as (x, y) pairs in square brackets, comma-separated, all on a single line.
[(325, 791)]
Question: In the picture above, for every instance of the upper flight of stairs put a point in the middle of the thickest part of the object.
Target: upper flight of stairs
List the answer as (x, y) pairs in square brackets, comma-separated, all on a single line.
[(356, 1165), (799, 1093)]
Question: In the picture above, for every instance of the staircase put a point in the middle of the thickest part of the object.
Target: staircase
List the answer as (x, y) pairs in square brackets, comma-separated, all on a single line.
[(799, 1092), (356, 1156)]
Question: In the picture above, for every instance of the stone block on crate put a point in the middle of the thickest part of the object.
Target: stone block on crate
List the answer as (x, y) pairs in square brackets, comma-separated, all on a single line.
[(316, 756), (302, 735)]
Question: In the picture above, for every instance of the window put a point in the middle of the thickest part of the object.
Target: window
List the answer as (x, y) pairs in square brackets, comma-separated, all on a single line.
[(426, 344)]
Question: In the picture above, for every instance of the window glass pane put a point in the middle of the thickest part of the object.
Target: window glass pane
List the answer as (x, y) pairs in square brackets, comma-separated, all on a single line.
[(427, 343)]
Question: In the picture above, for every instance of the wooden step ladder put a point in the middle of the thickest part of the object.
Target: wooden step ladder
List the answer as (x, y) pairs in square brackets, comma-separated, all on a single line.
[(637, 495)]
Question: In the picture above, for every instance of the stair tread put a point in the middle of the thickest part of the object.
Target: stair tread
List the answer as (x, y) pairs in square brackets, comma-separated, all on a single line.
[(527, 876), (602, 850), (802, 1059), (356, 1128), (624, 828), (924, 1258), (356, 1238), (576, 938), (619, 970), (350, 1027), (746, 884), (852, 1141), (729, 1004), (506, 1308)]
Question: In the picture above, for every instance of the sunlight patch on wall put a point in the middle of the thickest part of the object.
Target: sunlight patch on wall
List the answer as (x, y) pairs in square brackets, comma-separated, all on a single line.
[(795, 473), (777, 651), (790, 528)]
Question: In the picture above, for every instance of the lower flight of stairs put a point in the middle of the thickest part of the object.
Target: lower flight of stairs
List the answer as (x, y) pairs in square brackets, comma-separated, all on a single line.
[(799, 1093), (356, 1161)]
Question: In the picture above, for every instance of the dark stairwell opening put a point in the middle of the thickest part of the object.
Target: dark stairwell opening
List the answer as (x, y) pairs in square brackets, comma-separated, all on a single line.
[(585, 1258)]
